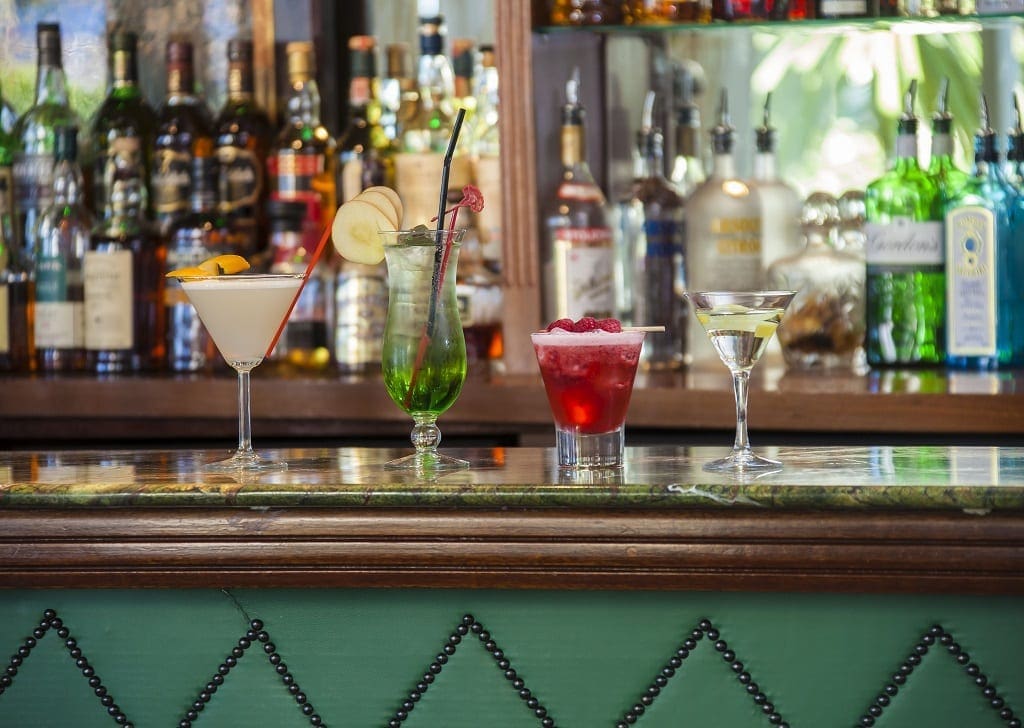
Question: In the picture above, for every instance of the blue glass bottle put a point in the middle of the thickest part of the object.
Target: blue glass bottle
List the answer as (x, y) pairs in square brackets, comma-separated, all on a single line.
[(984, 293)]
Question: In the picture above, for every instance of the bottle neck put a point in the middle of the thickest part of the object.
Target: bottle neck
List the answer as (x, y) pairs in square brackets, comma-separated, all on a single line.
[(436, 80), (723, 165), (651, 164), (360, 94), (906, 148), (51, 85), (765, 167), (304, 102), (240, 81), (67, 183), (942, 146), (124, 73)]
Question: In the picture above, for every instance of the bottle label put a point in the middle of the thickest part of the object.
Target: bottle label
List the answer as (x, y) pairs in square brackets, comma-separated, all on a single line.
[(60, 325), (664, 238), (6, 191), (240, 179), (971, 281), (729, 257), (5, 319), (903, 242), (580, 191), (584, 272), (843, 8), (108, 300), (33, 180), (172, 181), (361, 299), (296, 173)]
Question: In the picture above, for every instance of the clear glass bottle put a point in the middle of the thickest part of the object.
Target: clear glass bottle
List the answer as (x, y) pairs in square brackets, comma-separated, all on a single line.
[(302, 164), (123, 274), (723, 230), (984, 261), (398, 95), (824, 325), (64, 231), (184, 139), (242, 138), (487, 159), (428, 131), (580, 255), (780, 203), (34, 133), (657, 252), (852, 213), (905, 296), (688, 167), (124, 129), (363, 148), (16, 279)]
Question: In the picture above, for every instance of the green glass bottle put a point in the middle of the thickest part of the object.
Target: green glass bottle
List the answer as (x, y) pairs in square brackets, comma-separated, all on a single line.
[(948, 178), (905, 293)]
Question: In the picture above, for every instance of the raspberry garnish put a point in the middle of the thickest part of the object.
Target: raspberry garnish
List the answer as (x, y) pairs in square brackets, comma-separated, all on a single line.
[(560, 324), (587, 323), (610, 325)]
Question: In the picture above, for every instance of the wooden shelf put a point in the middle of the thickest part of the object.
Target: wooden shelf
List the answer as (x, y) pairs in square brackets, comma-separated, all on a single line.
[(694, 406)]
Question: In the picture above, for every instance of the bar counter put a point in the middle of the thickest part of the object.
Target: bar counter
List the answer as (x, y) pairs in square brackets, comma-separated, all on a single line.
[(855, 583)]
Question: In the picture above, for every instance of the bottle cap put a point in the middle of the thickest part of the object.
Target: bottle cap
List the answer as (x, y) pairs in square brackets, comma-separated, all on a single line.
[(48, 43), (239, 50), (985, 142), (65, 144), (362, 59), (573, 111), (301, 65), (765, 134), (723, 132), (462, 57), (487, 55), (179, 51), (942, 120), (431, 40), (123, 40), (908, 121)]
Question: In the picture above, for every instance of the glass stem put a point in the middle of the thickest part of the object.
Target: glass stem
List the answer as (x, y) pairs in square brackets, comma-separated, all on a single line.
[(740, 380), (244, 413)]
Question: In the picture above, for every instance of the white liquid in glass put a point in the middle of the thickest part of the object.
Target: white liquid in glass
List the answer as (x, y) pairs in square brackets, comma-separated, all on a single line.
[(242, 313), (740, 335)]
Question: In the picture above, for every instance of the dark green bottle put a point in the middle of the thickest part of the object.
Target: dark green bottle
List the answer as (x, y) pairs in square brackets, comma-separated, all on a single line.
[(906, 282)]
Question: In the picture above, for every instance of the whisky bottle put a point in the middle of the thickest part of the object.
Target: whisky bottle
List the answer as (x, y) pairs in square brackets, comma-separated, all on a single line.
[(16, 280), (657, 251), (64, 231), (780, 203), (947, 176), (723, 230), (123, 274), (184, 139), (302, 164), (243, 135), (203, 233), (124, 129), (984, 262), (34, 134), (362, 147), (906, 288), (580, 255)]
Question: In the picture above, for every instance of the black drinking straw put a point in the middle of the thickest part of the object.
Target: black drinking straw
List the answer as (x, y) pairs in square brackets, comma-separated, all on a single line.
[(439, 243)]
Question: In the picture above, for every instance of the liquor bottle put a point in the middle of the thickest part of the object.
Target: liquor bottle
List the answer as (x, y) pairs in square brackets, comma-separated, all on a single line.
[(906, 287), (362, 147), (184, 138), (984, 264), (201, 234), (64, 231), (688, 167), (723, 230), (1015, 150), (487, 160), (123, 273), (428, 131), (657, 251), (33, 160), (398, 95), (16, 281), (124, 128), (304, 344), (580, 255), (780, 203), (302, 164), (242, 141), (947, 176)]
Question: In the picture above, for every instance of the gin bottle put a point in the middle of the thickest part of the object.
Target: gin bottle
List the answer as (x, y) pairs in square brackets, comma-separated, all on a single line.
[(947, 176), (780, 204), (984, 262), (905, 293), (723, 230), (124, 129), (580, 256), (34, 134), (64, 230), (657, 251)]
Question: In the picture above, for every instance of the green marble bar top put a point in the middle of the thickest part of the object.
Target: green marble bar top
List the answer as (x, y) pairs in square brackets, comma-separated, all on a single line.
[(971, 479)]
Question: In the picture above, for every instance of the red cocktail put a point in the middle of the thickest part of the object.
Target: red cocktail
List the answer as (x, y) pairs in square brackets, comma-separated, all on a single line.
[(589, 379)]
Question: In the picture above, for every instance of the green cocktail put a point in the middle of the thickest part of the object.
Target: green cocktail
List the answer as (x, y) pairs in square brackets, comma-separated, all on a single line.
[(424, 356)]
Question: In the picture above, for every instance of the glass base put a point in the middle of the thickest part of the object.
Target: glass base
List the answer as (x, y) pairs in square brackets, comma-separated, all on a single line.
[(742, 461), (577, 450), (245, 461), (429, 461)]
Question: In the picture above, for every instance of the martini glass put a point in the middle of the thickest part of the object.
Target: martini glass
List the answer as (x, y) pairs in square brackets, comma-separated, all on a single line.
[(242, 314), (424, 350), (740, 324)]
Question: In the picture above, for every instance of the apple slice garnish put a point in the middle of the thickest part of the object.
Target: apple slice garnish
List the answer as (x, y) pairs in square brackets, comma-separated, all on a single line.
[(383, 203), (356, 229), (393, 198)]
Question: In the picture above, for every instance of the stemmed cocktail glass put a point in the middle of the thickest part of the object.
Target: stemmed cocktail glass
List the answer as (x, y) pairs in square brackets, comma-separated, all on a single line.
[(424, 351), (740, 324), (243, 313)]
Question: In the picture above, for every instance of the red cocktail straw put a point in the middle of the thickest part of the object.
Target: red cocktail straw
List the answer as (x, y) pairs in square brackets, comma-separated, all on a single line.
[(443, 249), (309, 271)]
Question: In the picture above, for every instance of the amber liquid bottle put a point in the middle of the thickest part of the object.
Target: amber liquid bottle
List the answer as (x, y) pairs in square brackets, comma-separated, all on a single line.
[(183, 137), (243, 138)]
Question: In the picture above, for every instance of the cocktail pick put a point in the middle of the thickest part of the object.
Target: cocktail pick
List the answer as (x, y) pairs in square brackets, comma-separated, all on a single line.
[(324, 237)]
